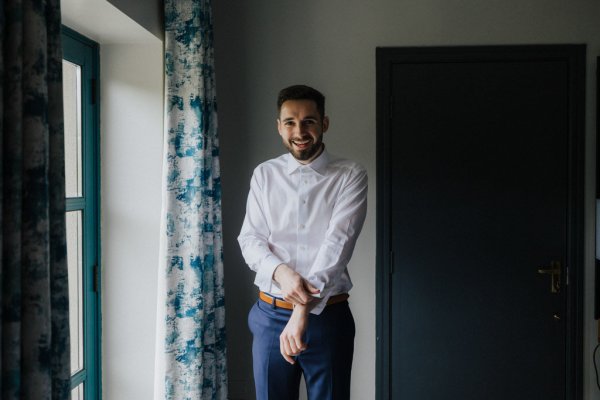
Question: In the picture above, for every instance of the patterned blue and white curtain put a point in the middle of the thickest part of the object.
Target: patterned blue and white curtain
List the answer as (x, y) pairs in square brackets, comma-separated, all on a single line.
[(34, 314), (191, 347)]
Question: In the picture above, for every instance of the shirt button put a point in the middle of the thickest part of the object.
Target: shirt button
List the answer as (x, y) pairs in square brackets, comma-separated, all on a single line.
[(303, 201), (305, 181), (301, 226)]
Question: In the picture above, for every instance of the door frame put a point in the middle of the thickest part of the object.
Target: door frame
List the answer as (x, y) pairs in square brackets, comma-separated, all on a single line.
[(575, 56)]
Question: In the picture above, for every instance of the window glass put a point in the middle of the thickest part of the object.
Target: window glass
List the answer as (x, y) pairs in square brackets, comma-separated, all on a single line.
[(72, 116), (77, 392), (75, 263)]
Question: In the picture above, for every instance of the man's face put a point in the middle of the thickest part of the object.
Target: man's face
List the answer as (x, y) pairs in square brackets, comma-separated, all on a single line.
[(301, 129)]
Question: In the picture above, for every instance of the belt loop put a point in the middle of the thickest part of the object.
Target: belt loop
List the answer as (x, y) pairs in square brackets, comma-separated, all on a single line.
[(273, 303)]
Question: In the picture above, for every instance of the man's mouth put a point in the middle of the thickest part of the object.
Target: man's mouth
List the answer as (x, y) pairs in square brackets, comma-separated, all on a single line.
[(301, 144)]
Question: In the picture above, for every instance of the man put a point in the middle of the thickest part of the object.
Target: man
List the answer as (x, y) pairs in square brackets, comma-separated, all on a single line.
[(304, 213)]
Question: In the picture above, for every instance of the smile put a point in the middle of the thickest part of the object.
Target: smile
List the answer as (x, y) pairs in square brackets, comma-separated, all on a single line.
[(301, 144)]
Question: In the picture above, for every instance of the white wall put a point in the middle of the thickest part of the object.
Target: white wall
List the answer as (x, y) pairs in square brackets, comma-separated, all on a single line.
[(132, 128), (264, 45)]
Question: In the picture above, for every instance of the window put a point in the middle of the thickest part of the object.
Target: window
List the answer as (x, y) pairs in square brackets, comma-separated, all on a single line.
[(80, 77)]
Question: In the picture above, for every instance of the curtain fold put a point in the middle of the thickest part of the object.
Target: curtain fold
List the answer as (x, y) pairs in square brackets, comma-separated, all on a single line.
[(191, 345), (34, 312)]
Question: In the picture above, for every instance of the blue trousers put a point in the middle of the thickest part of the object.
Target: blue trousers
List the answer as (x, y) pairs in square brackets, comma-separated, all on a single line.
[(326, 363)]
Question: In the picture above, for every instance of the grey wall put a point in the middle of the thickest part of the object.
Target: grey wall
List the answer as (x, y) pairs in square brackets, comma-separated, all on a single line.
[(263, 45), (147, 13)]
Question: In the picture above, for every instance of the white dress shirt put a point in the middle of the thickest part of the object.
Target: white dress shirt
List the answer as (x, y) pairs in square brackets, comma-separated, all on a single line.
[(305, 216)]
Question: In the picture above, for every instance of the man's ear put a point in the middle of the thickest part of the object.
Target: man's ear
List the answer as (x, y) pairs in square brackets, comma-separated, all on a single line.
[(279, 126), (325, 123)]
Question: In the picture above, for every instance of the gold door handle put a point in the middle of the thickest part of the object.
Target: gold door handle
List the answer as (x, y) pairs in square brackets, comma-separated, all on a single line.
[(554, 270), (549, 271)]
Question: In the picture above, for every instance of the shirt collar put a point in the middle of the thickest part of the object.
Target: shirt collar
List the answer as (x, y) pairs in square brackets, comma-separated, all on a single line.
[(319, 164)]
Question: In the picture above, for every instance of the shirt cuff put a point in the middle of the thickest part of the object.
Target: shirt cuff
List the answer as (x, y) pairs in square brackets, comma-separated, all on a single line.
[(322, 298), (264, 275), (318, 309)]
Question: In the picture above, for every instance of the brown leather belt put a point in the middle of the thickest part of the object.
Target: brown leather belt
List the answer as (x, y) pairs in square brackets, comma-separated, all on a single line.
[(338, 298)]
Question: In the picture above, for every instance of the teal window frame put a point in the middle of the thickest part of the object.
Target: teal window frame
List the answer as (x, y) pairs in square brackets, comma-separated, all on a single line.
[(83, 51)]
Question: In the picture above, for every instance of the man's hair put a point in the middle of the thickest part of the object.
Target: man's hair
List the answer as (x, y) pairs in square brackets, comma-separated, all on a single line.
[(301, 92)]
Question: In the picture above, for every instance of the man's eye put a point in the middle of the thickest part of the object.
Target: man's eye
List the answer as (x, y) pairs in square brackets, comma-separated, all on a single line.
[(309, 122), (289, 123)]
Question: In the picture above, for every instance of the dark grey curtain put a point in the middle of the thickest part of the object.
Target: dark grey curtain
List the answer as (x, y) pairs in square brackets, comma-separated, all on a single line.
[(34, 330)]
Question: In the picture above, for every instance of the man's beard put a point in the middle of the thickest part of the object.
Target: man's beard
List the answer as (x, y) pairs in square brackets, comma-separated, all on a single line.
[(305, 154)]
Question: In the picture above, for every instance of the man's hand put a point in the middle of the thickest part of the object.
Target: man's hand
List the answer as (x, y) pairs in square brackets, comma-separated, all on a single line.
[(294, 288), (290, 340)]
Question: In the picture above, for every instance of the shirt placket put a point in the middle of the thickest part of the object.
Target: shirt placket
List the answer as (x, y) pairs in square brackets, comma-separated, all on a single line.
[(302, 228)]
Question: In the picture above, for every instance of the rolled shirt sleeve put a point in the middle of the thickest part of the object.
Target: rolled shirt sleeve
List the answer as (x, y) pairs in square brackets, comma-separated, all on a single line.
[(253, 239), (345, 225)]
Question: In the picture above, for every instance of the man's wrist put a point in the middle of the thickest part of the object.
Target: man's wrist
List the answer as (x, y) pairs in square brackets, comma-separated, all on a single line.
[(302, 309), (279, 271)]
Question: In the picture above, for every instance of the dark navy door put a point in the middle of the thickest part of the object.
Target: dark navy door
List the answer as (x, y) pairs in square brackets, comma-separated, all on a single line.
[(483, 191)]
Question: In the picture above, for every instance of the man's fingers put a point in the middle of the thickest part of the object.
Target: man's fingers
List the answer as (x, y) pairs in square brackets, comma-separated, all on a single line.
[(290, 347), (293, 298), (311, 288), (286, 349), (292, 344), (283, 346), (295, 289), (300, 297), (288, 359), (304, 292), (298, 344), (284, 353)]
